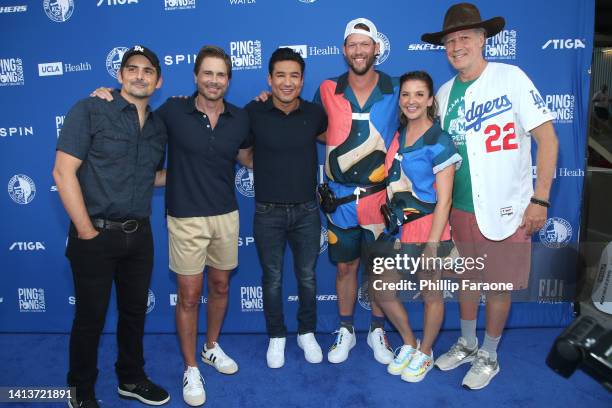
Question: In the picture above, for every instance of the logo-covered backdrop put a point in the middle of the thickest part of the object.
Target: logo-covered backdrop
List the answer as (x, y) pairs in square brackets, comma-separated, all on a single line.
[(56, 52)]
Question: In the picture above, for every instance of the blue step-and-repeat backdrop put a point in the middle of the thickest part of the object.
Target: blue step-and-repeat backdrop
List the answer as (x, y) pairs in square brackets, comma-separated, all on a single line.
[(55, 52)]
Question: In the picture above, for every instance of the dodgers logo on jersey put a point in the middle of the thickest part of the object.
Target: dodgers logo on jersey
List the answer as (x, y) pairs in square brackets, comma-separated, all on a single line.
[(556, 233), (113, 60), (244, 182), (150, 301), (21, 189), (59, 10), (538, 101), (477, 114)]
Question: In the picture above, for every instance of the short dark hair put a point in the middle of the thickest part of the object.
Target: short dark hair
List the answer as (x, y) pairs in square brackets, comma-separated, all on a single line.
[(426, 78), (285, 54), (214, 52)]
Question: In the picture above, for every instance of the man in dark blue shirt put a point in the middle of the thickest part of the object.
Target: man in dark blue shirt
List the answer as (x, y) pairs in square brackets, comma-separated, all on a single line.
[(284, 131), (206, 135), (107, 161)]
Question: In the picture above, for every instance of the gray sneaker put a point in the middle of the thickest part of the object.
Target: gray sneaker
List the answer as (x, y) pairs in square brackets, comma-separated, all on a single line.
[(482, 372), (458, 354)]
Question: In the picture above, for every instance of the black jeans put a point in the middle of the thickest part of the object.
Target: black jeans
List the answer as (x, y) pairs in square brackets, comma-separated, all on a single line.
[(126, 259), (273, 227)]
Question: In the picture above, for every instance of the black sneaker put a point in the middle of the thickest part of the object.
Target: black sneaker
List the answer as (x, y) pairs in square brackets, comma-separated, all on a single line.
[(144, 391), (90, 403)]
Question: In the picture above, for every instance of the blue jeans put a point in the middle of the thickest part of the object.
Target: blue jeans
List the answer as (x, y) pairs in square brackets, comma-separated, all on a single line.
[(300, 226)]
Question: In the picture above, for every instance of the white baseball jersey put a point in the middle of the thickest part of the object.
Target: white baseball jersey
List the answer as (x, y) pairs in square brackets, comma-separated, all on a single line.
[(501, 107)]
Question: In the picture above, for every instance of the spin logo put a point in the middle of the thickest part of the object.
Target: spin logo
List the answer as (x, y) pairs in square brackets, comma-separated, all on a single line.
[(501, 46), (251, 298), (11, 72), (174, 299), (59, 10), (31, 299), (245, 54), (562, 107)]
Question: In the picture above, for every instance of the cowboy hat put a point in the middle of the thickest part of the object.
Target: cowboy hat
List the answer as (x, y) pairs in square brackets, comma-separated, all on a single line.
[(464, 16)]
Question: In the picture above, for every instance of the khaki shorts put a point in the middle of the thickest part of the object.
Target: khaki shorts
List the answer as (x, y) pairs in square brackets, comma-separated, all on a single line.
[(196, 242)]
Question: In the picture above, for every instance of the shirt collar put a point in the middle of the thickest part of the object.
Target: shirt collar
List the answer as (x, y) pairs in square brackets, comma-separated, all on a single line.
[(190, 106), (269, 105), (384, 84), (121, 103)]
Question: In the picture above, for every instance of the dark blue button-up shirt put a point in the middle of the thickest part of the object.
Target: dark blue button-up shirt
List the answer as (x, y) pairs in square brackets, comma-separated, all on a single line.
[(119, 158)]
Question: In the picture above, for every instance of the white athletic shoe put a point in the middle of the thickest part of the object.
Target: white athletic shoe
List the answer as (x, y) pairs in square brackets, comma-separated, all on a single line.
[(377, 340), (345, 341), (312, 350), (275, 356), (218, 359), (193, 387)]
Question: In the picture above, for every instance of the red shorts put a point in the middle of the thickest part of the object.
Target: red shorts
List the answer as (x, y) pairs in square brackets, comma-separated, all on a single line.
[(506, 261)]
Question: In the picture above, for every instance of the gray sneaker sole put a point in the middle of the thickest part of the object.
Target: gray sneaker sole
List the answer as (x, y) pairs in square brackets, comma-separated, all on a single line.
[(465, 360), (484, 385)]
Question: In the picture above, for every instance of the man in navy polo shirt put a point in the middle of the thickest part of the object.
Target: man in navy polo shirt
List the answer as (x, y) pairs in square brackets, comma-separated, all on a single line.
[(284, 131), (206, 134)]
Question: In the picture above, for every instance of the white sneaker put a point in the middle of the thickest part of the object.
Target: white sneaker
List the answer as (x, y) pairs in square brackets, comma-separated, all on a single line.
[(377, 340), (218, 359), (345, 341), (275, 356), (193, 387), (312, 350)]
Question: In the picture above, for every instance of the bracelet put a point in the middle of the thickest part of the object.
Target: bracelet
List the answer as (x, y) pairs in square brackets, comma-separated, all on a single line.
[(537, 201)]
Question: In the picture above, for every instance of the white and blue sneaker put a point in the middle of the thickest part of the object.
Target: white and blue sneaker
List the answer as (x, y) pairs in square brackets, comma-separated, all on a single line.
[(402, 359)]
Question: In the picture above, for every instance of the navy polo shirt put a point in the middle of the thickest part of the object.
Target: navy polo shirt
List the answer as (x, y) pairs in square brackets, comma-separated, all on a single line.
[(200, 173), (119, 159), (285, 152)]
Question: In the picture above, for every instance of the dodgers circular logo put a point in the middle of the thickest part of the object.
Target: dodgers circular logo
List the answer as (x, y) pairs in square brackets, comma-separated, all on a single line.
[(323, 242), (21, 189), (385, 48), (113, 60), (244, 182), (58, 10), (363, 296), (556, 233), (150, 301)]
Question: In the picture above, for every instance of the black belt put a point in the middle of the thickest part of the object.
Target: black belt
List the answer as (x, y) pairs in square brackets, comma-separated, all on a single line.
[(127, 226), (368, 191)]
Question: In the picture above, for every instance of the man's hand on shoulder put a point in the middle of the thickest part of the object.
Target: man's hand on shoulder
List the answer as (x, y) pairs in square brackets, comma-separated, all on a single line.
[(103, 93)]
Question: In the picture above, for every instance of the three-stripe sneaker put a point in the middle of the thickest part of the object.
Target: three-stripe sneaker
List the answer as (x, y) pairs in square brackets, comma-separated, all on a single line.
[(218, 359), (193, 387)]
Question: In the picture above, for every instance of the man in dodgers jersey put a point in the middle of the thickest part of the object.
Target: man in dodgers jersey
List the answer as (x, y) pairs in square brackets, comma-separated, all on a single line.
[(362, 112), (490, 110)]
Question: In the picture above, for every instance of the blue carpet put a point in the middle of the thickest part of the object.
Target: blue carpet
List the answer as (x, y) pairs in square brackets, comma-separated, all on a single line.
[(524, 380)]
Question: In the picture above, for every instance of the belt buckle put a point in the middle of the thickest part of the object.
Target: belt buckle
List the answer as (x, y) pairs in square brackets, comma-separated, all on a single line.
[(129, 226)]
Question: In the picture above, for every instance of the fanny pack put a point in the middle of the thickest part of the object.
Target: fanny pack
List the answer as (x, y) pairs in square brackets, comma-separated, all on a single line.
[(329, 202)]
